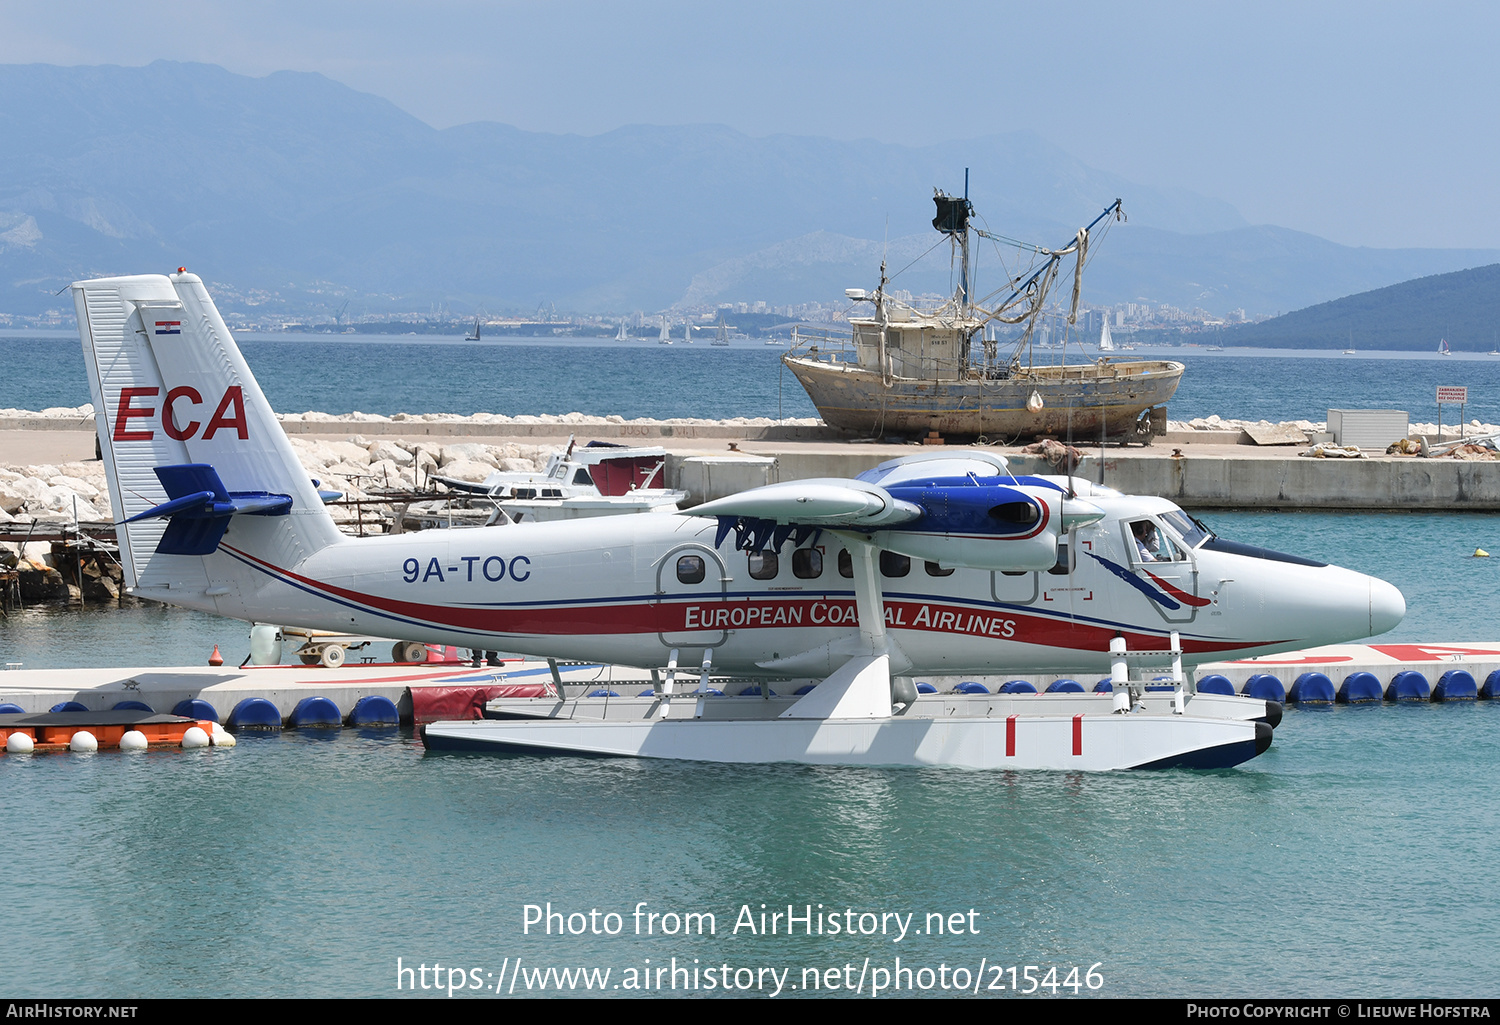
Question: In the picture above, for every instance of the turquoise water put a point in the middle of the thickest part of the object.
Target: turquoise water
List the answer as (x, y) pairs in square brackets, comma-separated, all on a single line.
[(1351, 859)]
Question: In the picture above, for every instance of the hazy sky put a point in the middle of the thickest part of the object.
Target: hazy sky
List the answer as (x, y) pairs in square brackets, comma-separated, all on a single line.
[(1367, 123)]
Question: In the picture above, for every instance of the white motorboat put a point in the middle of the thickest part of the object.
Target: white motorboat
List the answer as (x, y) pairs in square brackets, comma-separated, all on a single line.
[(598, 479)]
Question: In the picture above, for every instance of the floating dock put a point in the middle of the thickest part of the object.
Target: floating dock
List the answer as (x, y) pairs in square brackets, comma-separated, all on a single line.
[(277, 697), (1367, 673), (269, 697)]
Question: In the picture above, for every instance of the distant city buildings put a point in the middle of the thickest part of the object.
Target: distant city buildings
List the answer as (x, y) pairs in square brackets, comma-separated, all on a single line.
[(327, 308)]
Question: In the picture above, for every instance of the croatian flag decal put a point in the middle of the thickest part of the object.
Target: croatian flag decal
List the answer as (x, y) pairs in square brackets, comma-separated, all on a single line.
[(169, 327)]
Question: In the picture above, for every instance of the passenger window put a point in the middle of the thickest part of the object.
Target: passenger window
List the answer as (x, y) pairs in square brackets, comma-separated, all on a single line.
[(764, 565), (846, 563), (582, 477), (893, 565), (807, 563), (934, 570), (691, 569)]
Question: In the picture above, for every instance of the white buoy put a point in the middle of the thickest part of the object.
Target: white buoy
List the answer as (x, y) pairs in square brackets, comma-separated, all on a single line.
[(134, 740), (222, 737), (195, 737), (19, 744), (83, 741)]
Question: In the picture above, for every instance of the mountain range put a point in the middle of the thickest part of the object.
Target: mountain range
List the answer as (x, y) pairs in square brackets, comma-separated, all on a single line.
[(297, 192)]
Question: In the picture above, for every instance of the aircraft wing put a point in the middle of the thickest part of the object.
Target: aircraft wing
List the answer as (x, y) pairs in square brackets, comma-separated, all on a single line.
[(989, 523), (820, 502)]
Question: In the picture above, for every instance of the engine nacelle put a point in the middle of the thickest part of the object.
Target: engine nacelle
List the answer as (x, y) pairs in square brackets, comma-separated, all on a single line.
[(985, 525)]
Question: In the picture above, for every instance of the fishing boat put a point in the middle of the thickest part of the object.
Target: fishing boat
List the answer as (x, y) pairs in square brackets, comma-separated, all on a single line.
[(909, 370)]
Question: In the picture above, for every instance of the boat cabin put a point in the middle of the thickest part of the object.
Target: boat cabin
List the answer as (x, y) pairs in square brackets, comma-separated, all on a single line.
[(918, 347)]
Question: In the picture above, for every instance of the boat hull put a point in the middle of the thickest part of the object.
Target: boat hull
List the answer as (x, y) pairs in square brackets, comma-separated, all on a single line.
[(1088, 743), (1082, 400)]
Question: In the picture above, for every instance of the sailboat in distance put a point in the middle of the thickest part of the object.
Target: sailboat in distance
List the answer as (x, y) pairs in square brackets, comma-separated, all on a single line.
[(1443, 349), (475, 336), (1106, 343), (665, 338)]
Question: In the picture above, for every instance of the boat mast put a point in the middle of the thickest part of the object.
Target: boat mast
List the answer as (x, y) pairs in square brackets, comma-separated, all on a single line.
[(952, 220)]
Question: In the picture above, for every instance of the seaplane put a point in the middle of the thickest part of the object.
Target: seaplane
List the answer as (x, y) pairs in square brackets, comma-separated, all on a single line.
[(941, 564)]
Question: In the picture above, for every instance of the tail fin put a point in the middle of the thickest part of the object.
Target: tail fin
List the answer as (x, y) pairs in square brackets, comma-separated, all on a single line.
[(171, 390)]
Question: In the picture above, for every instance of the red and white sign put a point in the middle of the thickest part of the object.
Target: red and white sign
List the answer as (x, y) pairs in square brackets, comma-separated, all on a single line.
[(1453, 393)]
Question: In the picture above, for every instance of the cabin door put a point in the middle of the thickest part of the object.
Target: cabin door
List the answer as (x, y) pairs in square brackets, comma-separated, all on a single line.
[(690, 586)]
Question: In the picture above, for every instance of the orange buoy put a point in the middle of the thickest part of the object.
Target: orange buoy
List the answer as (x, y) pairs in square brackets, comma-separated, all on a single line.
[(216, 659)]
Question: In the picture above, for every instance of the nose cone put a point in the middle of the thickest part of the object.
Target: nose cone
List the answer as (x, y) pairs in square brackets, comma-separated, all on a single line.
[(1387, 606)]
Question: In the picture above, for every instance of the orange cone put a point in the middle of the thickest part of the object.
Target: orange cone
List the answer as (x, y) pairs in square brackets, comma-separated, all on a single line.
[(216, 659)]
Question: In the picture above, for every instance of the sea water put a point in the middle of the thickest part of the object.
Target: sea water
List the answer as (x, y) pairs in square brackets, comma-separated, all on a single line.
[(1353, 858)]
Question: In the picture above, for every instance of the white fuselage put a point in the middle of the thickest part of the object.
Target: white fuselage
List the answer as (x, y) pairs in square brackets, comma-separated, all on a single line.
[(631, 589)]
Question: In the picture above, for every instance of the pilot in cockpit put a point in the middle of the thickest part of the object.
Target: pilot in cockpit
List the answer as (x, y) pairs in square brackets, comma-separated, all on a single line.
[(1146, 541)]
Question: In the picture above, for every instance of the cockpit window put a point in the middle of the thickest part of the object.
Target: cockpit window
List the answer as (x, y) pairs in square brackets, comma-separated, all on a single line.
[(1190, 530), (1148, 544)]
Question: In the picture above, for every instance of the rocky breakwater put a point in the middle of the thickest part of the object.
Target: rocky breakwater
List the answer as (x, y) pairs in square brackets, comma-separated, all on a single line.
[(57, 523)]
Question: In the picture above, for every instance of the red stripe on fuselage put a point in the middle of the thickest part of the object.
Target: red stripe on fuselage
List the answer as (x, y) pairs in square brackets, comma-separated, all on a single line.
[(1178, 593), (676, 614)]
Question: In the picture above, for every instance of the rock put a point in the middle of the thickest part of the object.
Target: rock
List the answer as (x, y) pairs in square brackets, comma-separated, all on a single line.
[(389, 451), (81, 488), (467, 470), (467, 452)]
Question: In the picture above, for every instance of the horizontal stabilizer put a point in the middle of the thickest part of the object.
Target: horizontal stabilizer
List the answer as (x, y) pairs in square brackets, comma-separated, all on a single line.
[(199, 508)]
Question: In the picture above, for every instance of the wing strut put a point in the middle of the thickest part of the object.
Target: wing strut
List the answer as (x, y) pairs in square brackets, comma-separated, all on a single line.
[(861, 687)]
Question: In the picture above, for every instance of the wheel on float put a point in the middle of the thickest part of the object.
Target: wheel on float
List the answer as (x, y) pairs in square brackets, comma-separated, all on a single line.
[(309, 658), (333, 656), (409, 651)]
